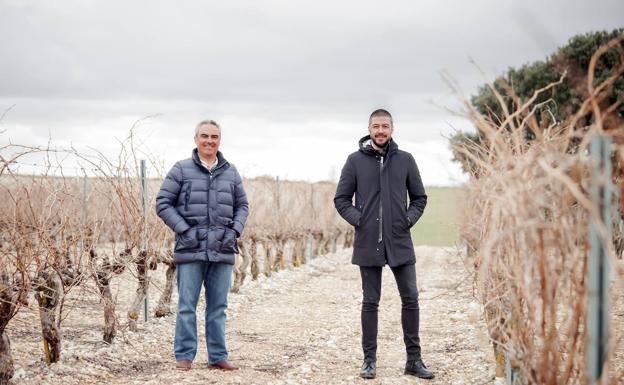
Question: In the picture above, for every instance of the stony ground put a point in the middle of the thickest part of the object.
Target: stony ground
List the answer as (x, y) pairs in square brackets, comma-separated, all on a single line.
[(299, 326)]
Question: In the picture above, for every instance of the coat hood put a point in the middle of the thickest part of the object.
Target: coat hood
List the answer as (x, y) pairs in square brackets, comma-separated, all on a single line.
[(366, 146)]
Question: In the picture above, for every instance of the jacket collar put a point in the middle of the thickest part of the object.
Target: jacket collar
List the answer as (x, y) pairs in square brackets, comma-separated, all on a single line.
[(367, 148), (222, 163)]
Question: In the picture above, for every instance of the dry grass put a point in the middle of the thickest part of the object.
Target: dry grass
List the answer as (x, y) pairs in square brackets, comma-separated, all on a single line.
[(59, 232), (527, 227)]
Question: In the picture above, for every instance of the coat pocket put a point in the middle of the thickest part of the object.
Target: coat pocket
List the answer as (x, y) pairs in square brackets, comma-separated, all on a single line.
[(228, 243), (401, 225), (187, 241), (360, 208)]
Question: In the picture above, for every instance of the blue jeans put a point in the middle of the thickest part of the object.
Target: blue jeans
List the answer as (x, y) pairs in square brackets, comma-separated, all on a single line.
[(216, 278)]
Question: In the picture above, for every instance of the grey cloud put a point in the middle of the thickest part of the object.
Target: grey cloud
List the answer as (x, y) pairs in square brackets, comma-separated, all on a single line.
[(278, 50), (85, 70)]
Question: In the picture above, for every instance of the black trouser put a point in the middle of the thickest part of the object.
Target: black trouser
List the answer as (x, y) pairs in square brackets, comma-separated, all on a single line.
[(405, 277)]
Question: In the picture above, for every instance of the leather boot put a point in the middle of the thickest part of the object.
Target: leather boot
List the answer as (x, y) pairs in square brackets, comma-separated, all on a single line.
[(418, 369), (369, 369)]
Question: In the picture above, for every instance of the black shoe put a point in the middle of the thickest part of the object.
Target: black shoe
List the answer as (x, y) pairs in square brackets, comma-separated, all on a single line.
[(418, 369), (369, 369)]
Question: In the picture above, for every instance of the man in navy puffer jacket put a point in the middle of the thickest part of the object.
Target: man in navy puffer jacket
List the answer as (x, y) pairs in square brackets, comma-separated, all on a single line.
[(203, 201)]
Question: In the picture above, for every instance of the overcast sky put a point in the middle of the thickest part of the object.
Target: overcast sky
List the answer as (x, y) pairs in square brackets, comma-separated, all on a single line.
[(291, 82)]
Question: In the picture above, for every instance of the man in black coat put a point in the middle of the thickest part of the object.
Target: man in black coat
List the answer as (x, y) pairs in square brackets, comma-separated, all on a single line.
[(382, 177)]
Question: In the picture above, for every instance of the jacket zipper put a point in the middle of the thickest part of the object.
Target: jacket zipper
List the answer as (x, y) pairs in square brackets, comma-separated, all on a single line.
[(209, 184), (210, 176), (380, 238)]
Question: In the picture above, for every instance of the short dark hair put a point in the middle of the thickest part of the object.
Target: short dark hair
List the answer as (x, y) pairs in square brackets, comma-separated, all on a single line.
[(380, 112)]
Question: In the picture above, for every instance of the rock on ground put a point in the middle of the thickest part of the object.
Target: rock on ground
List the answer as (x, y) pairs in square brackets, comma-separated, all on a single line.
[(300, 326)]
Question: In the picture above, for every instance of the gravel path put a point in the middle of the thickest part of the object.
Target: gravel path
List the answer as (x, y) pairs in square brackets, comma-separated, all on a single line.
[(297, 327)]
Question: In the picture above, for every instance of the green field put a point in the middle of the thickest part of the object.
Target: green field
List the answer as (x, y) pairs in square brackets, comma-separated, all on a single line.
[(437, 226)]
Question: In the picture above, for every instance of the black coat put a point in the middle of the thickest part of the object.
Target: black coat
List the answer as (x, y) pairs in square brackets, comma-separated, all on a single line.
[(382, 233)]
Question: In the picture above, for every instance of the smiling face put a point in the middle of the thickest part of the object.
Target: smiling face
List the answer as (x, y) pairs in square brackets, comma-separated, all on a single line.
[(208, 139), (380, 129)]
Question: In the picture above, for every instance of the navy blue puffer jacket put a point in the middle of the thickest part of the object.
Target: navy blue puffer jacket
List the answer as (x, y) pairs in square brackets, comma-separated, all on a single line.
[(206, 210)]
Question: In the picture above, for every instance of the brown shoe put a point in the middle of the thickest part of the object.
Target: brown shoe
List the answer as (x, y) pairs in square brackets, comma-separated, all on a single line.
[(184, 364), (223, 365)]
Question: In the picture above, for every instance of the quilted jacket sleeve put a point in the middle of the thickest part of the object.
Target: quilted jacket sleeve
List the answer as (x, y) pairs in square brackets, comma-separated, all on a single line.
[(241, 205), (167, 198)]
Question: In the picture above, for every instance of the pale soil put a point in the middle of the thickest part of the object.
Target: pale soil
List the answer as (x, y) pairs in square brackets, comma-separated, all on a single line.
[(299, 326)]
